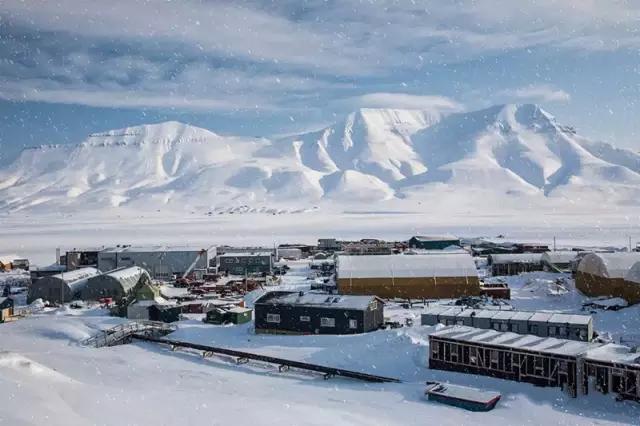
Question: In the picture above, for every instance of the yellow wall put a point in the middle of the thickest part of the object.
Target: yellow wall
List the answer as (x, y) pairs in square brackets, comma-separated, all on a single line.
[(411, 288)]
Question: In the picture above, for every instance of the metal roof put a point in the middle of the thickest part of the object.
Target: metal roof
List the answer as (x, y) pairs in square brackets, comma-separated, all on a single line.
[(550, 317), (317, 300), (401, 266)]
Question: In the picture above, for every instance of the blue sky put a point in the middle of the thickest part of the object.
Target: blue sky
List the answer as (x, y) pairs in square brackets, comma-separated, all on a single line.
[(72, 67)]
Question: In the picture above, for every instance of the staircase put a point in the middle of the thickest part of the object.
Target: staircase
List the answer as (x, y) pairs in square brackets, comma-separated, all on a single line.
[(123, 333)]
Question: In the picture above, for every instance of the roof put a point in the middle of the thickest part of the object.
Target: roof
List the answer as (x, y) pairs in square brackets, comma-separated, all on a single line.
[(401, 266), (463, 392), (77, 275), (560, 257), (155, 249), (515, 341), (609, 265), (633, 274), (516, 258), (504, 315), (4, 299), (238, 310), (614, 353), (246, 254), (125, 273), (436, 237), (317, 300)]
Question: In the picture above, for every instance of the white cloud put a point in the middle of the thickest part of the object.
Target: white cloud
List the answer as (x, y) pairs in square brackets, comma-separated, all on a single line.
[(536, 93), (402, 101)]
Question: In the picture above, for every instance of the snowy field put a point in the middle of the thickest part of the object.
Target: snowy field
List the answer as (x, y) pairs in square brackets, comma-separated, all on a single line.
[(49, 378), (37, 237)]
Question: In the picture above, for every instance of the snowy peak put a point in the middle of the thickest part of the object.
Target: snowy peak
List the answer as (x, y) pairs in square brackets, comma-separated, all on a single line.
[(373, 155)]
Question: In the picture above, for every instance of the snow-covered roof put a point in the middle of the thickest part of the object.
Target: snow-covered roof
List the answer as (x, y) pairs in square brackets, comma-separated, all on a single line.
[(401, 266), (516, 341), (5, 259), (238, 310), (155, 249), (246, 254), (559, 257), (633, 274), (554, 318), (614, 353), (447, 250), (315, 299), (516, 258), (77, 275), (609, 265), (133, 271), (436, 237)]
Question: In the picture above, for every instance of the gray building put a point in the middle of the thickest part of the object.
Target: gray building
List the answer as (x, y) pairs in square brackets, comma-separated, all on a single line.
[(542, 324), (246, 263), (161, 262), (117, 284), (63, 287)]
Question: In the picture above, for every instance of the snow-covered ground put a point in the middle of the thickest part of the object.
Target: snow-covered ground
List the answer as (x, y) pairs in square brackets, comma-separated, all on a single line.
[(47, 377)]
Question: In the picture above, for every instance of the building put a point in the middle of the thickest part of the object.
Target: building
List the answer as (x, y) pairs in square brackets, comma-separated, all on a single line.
[(6, 261), (245, 263), (161, 262), (514, 264), (558, 261), (81, 258), (408, 277), (63, 287), (234, 315), (433, 242), (286, 312), (6, 309), (499, 290), (329, 244), (576, 367), (521, 358), (367, 247), (542, 324), (117, 284), (530, 248), (289, 253), (610, 275), (46, 271)]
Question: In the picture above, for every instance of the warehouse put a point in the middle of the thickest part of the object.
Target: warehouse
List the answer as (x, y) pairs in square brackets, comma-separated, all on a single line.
[(286, 312), (522, 358), (433, 242), (161, 262), (558, 261), (610, 275), (541, 324), (245, 263), (116, 284), (514, 264), (408, 277), (63, 287)]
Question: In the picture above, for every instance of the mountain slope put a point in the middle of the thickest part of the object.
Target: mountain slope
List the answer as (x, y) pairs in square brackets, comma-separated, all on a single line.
[(373, 156)]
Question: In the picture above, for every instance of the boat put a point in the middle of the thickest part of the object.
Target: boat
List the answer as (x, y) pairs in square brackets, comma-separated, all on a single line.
[(469, 398)]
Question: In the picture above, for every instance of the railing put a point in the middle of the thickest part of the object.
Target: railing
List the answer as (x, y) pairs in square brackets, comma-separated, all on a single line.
[(123, 332)]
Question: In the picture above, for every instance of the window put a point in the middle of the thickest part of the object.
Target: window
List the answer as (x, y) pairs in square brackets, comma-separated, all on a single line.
[(373, 305), (305, 318), (563, 331), (353, 324), (504, 327), (534, 329), (327, 322), (495, 326), (273, 318), (552, 331)]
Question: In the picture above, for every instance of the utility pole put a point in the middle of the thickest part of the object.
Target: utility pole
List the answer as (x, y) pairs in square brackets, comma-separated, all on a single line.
[(554, 243)]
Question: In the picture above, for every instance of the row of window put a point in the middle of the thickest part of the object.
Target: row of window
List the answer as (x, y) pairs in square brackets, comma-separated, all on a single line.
[(324, 321)]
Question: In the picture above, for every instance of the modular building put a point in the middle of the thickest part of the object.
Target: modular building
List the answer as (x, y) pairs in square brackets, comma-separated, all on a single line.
[(117, 284), (559, 261), (433, 242), (161, 262), (575, 367), (246, 263), (286, 312), (408, 277), (234, 315), (542, 324), (514, 264), (610, 275), (63, 287)]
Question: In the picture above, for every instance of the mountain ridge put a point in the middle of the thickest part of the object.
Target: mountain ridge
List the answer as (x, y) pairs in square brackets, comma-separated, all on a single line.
[(372, 156)]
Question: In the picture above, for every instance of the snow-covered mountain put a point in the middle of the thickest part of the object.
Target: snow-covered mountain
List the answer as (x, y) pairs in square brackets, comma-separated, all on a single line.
[(374, 156)]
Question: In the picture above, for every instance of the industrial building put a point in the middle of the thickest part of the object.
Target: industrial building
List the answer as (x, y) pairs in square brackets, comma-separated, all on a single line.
[(576, 367), (610, 275), (541, 324), (408, 277), (6, 309), (117, 284), (246, 263), (63, 287), (558, 261), (514, 264), (161, 262), (433, 242), (81, 258), (286, 312)]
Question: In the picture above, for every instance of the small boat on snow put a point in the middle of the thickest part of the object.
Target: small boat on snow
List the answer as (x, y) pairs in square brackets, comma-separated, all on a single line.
[(462, 396)]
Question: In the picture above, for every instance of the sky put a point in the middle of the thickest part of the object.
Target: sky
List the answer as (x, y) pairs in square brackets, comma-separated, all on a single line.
[(263, 68)]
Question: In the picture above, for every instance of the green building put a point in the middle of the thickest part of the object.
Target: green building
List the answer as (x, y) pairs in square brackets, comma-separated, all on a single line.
[(235, 315)]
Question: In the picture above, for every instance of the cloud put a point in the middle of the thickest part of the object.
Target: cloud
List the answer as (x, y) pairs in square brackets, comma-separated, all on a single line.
[(401, 100), (536, 93)]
